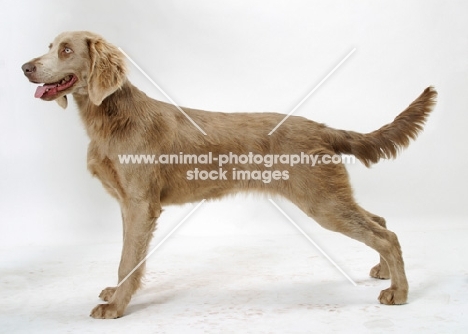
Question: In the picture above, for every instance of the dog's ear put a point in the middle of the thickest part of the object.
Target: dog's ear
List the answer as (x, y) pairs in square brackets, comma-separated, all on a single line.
[(62, 101), (107, 70)]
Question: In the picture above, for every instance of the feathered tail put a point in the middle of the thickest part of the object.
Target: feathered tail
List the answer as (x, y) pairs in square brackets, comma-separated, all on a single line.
[(387, 141)]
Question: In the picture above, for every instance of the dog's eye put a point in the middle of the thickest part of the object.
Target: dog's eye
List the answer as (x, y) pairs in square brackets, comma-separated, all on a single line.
[(67, 50)]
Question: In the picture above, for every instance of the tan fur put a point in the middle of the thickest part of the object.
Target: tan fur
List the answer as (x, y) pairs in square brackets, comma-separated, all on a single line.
[(120, 119)]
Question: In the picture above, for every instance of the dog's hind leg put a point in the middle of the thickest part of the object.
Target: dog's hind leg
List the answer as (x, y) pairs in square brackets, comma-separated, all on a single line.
[(326, 196), (380, 270)]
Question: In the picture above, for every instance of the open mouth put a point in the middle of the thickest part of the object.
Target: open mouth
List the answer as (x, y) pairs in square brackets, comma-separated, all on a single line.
[(52, 89)]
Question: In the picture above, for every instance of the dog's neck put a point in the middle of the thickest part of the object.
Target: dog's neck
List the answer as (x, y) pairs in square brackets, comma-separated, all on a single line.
[(110, 118), (126, 109), (84, 103)]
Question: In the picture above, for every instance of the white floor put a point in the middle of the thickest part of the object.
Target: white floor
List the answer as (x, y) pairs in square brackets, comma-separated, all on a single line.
[(270, 283)]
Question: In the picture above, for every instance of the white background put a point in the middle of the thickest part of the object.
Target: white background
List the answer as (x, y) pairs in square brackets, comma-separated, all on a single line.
[(240, 56)]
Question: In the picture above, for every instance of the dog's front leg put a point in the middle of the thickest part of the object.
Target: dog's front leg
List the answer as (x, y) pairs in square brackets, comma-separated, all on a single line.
[(139, 221)]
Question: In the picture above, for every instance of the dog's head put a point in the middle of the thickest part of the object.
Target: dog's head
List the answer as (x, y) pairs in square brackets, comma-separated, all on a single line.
[(78, 62)]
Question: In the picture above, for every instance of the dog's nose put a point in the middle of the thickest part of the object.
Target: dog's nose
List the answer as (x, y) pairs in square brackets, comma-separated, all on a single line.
[(28, 68)]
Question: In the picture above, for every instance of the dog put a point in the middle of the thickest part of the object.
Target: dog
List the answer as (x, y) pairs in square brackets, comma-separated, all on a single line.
[(120, 119)]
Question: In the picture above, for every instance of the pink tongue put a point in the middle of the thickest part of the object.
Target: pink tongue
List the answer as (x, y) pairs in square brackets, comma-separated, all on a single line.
[(41, 90)]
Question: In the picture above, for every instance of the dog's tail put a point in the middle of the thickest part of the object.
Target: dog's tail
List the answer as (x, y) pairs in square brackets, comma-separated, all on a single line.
[(390, 139)]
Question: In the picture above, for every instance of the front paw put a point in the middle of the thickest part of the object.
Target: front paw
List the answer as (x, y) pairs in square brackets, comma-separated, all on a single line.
[(380, 271), (106, 311), (107, 294), (392, 296)]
